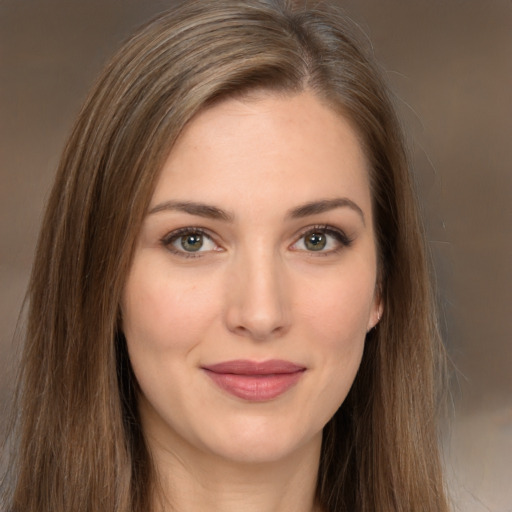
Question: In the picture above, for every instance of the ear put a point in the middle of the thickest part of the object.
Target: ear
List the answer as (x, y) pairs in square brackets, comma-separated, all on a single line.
[(376, 310)]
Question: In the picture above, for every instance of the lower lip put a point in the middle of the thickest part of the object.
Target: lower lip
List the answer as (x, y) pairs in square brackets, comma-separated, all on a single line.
[(255, 388)]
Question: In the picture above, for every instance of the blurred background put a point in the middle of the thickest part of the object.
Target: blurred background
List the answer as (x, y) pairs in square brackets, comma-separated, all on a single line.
[(449, 63)]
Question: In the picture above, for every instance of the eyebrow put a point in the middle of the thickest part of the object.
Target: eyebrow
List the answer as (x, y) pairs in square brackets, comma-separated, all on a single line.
[(192, 208), (325, 205), (213, 212)]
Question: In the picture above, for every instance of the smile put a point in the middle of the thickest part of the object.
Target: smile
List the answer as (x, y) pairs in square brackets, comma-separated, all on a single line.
[(255, 381)]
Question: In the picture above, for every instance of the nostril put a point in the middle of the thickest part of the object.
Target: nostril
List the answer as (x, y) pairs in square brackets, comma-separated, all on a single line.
[(257, 304), (258, 329), (257, 321)]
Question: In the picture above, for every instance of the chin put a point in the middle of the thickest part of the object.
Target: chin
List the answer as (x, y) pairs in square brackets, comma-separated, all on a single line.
[(260, 444)]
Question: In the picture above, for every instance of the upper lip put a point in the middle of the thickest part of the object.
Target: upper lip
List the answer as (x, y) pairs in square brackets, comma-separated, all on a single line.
[(248, 367)]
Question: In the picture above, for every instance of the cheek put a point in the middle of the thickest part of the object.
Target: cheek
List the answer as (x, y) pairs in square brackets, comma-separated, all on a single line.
[(164, 318), (163, 313), (339, 309), (336, 320), (340, 336)]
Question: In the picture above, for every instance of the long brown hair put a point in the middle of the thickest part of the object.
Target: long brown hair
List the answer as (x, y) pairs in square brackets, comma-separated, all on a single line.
[(78, 441)]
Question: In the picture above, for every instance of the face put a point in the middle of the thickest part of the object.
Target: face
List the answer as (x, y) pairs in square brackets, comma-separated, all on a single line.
[(253, 283)]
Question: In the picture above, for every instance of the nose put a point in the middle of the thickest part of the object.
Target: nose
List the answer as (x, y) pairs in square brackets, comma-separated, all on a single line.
[(257, 305)]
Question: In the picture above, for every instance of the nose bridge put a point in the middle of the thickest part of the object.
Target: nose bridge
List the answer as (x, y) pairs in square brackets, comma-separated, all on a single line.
[(257, 304)]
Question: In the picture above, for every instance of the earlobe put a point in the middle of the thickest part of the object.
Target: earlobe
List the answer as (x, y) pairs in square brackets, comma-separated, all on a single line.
[(379, 314), (376, 315)]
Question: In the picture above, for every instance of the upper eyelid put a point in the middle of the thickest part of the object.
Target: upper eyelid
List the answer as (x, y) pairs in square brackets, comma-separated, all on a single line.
[(320, 227), (167, 238), (326, 228), (171, 237)]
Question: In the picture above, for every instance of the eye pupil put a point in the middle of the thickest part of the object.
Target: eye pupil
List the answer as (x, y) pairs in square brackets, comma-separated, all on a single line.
[(192, 242), (315, 241)]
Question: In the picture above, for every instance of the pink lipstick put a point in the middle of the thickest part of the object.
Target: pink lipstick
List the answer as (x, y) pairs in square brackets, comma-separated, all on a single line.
[(255, 381)]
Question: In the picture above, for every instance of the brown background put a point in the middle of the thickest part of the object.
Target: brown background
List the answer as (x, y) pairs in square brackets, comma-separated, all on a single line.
[(450, 64)]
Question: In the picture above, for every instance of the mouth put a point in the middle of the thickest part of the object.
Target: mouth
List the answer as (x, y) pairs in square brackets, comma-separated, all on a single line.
[(255, 381)]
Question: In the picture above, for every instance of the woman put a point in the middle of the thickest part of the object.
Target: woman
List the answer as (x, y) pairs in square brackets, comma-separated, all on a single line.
[(229, 308)]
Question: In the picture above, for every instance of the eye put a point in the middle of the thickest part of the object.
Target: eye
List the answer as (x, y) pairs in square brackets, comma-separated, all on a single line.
[(322, 239), (189, 242), (315, 241)]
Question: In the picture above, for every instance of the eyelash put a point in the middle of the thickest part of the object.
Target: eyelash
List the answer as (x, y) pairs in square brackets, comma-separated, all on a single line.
[(339, 235), (171, 237), (343, 240)]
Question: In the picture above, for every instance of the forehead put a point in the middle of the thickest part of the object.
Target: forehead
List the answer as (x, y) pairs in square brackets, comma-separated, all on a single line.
[(263, 148)]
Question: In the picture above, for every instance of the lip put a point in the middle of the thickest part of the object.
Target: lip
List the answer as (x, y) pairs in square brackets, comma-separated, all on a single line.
[(255, 381)]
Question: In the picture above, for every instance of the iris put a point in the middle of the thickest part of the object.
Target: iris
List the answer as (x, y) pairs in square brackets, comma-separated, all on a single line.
[(315, 241)]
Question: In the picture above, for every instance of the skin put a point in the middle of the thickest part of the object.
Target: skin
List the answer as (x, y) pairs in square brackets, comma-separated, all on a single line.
[(255, 290)]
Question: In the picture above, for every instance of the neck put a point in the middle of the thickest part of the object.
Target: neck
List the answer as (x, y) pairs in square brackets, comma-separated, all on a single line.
[(194, 482)]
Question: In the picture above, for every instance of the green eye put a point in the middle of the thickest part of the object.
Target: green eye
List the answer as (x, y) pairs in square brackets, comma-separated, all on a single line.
[(323, 240), (191, 242), (315, 241)]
